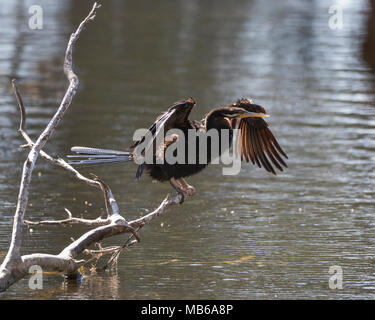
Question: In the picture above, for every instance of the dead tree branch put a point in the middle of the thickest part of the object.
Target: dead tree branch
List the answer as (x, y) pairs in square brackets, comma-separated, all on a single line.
[(70, 220), (14, 267)]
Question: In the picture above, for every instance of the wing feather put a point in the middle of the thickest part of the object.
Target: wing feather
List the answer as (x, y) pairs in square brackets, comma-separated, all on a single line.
[(244, 144), (238, 144), (256, 142), (266, 148), (272, 149), (253, 146), (276, 144), (250, 147), (155, 129), (262, 148)]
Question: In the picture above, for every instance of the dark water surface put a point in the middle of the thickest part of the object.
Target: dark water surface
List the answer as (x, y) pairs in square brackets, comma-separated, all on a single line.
[(250, 236)]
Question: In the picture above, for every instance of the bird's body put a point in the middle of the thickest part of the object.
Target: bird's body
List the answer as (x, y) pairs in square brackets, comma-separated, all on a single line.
[(255, 142), (166, 171)]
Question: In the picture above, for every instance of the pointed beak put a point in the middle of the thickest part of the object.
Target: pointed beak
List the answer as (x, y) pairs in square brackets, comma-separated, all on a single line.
[(251, 115)]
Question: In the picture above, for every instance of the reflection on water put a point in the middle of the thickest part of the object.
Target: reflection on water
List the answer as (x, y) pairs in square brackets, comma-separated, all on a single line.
[(369, 43), (246, 236)]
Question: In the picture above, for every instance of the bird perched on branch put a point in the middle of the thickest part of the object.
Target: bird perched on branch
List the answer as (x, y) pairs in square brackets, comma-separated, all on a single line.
[(255, 142)]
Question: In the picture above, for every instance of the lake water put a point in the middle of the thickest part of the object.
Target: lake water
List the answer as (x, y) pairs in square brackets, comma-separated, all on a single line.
[(250, 236)]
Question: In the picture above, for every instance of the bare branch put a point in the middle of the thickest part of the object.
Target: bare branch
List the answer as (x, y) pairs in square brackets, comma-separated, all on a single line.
[(14, 250), (147, 218), (97, 254), (13, 256), (139, 223), (15, 266), (72, 220), (20, 105), (110, 202)]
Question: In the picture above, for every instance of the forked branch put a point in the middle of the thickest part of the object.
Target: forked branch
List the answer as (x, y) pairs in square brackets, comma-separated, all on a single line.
[(15, 266)]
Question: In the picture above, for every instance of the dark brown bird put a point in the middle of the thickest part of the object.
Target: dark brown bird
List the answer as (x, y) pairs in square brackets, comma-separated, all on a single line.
[(255, 142)]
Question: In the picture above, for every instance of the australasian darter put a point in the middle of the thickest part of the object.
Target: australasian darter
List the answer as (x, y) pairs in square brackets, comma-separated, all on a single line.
[(255, 142)]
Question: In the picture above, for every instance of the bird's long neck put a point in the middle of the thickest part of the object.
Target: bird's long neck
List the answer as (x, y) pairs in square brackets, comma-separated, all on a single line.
[(216, 120)]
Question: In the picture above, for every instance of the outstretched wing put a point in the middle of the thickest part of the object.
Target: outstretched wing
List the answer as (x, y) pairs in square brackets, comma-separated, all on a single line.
[(155, 128), (178, 112), (256, 142)]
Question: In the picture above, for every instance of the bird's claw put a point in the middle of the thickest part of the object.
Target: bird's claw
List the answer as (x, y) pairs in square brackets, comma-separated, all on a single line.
[(186, 192), (191, 191)]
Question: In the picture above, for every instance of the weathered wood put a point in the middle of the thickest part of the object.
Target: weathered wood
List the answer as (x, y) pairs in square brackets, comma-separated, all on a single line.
[(15, 266), (13, 263)]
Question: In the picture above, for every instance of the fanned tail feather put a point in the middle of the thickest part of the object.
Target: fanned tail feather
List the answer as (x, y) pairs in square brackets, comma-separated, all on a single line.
[(87, 157)]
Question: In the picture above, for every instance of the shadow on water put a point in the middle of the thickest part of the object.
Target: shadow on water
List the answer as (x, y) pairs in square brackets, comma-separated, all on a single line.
[(249, 236)]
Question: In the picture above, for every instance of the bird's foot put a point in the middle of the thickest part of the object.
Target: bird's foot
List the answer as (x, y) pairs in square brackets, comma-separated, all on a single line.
[(191, 191), (184, 190)]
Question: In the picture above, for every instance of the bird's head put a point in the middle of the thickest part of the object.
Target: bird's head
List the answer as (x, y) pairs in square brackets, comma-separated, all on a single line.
[(230, 115), (249, 105)]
